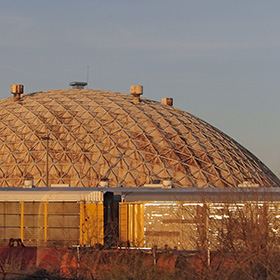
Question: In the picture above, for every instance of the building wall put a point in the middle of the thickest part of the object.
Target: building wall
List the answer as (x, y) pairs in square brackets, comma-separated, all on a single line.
[(200, 226), (51, 223)]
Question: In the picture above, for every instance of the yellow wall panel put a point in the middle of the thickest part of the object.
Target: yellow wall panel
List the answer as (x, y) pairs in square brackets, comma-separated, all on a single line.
[(91, 224), (123, 222), (132, 223)]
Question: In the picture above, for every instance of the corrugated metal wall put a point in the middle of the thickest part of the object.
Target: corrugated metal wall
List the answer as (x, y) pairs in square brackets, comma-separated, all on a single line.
[(131, 223), (51, 223), (91, 224), (197, 226)]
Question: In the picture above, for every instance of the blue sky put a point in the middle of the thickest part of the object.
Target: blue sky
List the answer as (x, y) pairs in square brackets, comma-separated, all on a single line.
[(218, 59)]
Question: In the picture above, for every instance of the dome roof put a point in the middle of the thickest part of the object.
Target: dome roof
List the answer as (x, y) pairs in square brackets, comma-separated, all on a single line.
[(82, 135)]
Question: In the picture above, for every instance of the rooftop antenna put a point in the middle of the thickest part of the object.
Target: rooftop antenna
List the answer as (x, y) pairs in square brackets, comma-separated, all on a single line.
[(87, 74)]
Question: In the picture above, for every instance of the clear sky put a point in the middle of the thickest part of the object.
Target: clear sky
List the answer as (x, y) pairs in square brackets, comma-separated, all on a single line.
[(218, 59)]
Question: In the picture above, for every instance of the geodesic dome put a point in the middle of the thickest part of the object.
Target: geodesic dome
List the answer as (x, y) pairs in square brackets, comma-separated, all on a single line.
[(78, 136)]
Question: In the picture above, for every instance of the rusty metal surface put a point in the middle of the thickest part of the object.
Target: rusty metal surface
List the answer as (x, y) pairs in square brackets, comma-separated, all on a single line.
[(77, 137)]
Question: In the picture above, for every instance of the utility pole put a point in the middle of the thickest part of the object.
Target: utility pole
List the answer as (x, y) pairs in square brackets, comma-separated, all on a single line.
[(47, 138)]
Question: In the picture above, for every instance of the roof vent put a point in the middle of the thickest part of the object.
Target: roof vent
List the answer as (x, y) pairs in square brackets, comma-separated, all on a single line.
[(78, 85), (136, 91), (153, 186), (28, 182), (60, 185), (248, 184), (17, 91), (167, 101), (104, 183), (167, 183)]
